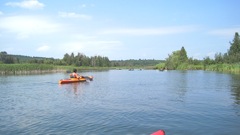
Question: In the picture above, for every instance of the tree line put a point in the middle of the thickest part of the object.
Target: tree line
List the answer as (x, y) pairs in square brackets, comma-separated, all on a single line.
[(83, 60), (135, 63), (68, 59), (80, 59)]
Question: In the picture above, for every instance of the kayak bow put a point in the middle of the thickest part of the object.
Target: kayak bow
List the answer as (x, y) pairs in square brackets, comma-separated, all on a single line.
[(159, 132)]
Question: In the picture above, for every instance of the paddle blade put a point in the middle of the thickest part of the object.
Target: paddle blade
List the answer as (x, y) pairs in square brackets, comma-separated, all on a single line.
[(159, 132), (88, 77)]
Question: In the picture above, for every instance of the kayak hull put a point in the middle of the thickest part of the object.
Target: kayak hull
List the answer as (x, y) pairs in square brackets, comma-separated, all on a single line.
[(72, 80)]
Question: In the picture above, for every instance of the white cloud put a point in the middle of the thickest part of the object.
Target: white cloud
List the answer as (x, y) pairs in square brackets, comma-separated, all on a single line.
[(28, 4), (1, 13), (43, 48), (150, 31), (74, 15), (83, 5), (227, 32), (24, 26)]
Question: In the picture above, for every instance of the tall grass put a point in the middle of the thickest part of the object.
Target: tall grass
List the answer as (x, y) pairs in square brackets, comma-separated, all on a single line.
[(41, 68), (232, 68), (25, 68), (228, 68)]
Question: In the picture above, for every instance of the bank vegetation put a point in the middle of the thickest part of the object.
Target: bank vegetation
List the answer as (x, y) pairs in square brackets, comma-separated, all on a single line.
[(227, 62)]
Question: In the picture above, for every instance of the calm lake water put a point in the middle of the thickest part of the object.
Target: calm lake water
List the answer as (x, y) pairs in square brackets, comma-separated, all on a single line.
[(122, 102)]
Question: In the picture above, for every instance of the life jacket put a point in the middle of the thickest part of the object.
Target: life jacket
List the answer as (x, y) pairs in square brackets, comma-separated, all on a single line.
[(73, 75)]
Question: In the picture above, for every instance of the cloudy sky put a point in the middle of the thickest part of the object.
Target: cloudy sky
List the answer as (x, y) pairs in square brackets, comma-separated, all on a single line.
[(118, 29)]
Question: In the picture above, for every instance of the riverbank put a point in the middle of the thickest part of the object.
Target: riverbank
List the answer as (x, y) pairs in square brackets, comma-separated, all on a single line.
[(26, 68), (231, 68), (226, 68)]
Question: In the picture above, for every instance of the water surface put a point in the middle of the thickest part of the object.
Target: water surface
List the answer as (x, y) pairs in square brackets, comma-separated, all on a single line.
[(122, 102)]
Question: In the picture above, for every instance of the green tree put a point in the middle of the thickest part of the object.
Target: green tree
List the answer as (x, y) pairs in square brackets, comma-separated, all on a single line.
[(234, 51), (194, 61), (207, 61), (176, 59), (66, 58), (183, 55), (72, 59), (6, 58), (219, 58), (172, 62)]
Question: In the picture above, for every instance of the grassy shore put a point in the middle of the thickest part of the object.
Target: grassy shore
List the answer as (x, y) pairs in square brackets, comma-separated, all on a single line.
[(46, 68), (41, 68)]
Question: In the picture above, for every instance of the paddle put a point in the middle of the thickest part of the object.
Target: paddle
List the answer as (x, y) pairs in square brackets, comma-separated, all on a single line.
[(88, 77), (159, 132)]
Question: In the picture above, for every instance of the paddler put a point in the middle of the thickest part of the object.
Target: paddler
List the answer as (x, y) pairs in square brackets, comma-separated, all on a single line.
[(74, 74)]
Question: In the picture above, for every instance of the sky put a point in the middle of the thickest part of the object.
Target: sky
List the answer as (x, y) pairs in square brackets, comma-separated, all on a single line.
[(118, 29)]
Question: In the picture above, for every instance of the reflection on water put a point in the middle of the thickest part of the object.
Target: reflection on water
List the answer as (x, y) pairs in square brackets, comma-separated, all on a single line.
[(72, 88), (182, 84), (75, 90), (236, 88)]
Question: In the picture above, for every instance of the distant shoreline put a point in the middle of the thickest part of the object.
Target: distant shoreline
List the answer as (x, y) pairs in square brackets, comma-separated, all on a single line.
[(25, 69), (22, 69)]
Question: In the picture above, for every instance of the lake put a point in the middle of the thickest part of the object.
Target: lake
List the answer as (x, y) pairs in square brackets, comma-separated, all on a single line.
[(121, 102)]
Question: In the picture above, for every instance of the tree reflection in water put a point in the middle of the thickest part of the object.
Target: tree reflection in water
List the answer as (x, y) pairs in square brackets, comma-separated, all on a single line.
[(235, 87)]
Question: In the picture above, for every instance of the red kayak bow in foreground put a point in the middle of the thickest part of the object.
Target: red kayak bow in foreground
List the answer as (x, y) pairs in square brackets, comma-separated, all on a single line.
[(159, 132)]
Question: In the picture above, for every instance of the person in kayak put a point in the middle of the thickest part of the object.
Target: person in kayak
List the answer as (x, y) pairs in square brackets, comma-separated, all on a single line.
[(74, 74)]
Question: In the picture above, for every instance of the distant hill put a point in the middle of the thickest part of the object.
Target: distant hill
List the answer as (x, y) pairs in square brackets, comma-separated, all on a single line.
[(23, 58), (12, 58)]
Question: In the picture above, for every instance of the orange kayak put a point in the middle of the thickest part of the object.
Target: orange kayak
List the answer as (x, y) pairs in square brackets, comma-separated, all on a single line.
[(73, 80)]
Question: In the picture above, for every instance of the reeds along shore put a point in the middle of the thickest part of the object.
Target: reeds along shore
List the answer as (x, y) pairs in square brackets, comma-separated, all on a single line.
[(26, 68), (232, 68), (18, 69)]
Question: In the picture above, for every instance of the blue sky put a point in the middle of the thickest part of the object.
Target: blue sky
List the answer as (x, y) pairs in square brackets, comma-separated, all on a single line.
[(118, 29)]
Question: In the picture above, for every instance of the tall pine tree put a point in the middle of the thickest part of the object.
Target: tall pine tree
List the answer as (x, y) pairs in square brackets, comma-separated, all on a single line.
[(234, 51), (183, 55)]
